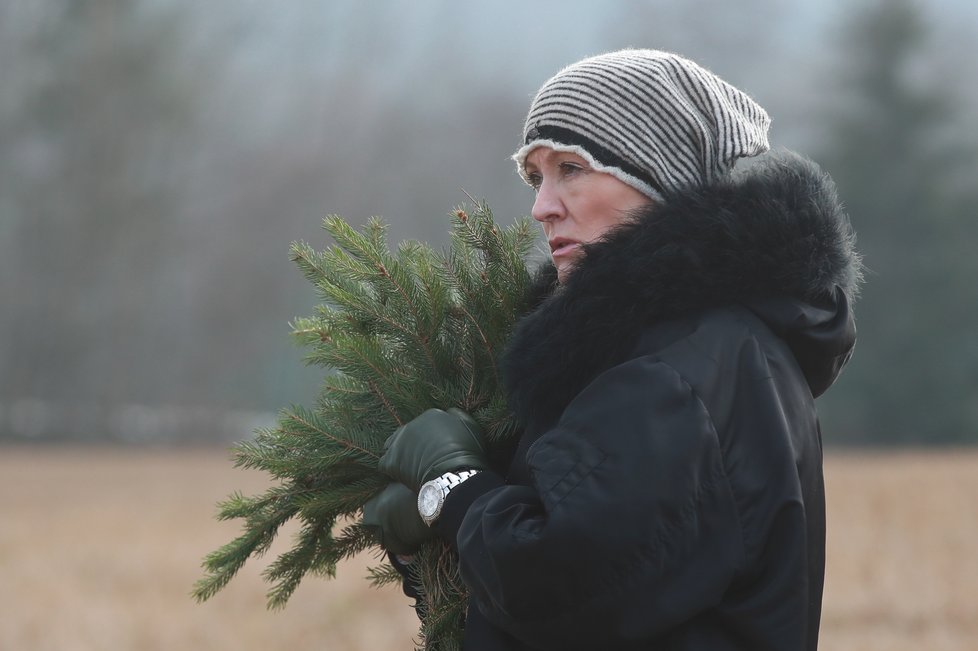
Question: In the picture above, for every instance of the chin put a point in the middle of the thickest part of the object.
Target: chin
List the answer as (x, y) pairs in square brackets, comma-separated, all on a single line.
[(563, 270)]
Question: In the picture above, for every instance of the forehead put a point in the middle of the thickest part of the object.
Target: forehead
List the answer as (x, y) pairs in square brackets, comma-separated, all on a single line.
[(543, 156)]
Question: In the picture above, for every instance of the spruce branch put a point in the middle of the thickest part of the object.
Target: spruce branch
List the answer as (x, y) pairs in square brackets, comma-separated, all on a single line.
[(308, 423), (399, 332)]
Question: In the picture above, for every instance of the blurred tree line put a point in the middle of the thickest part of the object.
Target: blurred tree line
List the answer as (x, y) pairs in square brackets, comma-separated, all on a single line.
[(157, 158), (901, 146)]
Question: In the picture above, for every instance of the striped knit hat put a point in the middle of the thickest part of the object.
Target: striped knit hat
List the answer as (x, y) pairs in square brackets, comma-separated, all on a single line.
[(655, 120)]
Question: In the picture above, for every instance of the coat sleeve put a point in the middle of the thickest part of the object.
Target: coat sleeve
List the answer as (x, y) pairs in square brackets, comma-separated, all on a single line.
[(629, 526)]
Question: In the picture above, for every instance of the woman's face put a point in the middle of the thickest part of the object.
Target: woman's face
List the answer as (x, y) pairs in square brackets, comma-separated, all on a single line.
[(575, 203)]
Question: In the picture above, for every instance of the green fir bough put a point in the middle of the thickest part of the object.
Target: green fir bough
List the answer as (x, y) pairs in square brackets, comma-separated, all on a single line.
[(401, 332)]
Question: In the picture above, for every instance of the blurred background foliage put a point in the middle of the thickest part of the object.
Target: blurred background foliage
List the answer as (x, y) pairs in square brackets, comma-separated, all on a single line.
[(157, 157)]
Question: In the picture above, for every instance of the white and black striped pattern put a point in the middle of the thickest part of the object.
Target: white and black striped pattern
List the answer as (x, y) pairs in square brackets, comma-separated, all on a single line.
[(654, 119)]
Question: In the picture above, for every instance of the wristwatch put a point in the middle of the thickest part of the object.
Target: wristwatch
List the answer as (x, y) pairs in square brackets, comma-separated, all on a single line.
[(431, 497)]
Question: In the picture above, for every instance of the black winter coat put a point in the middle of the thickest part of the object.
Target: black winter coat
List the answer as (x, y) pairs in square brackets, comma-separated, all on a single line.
[(667, 491)]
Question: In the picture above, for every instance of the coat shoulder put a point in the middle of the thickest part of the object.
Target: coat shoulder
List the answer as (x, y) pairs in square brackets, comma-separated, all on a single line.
[(727, 340)]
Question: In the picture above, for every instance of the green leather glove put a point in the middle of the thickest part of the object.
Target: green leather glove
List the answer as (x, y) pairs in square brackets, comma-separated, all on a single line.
[(392, 517), (432, 444)]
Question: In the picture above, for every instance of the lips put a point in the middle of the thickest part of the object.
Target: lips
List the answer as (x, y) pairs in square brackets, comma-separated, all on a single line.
[(562, 246)]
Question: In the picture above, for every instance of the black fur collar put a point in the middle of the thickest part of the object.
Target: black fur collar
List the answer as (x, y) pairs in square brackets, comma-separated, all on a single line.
[(776, 230)]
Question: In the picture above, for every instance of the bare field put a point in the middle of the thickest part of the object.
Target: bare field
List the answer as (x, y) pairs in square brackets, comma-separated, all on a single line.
[(99, 549)]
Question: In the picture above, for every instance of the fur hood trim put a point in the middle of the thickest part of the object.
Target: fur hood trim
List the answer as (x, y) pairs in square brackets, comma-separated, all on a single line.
[(775, 230)]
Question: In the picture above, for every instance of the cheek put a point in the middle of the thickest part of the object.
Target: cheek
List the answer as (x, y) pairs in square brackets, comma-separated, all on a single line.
[(602, 204), (602, 216)]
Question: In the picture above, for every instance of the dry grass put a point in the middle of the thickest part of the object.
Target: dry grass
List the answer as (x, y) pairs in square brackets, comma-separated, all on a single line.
[(902, 552), (99, 548)]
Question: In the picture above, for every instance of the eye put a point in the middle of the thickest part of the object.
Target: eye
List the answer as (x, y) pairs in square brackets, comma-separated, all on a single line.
[(535, 179), (568, 168)]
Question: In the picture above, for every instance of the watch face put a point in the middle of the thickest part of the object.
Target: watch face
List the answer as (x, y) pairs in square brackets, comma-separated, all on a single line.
[(429, 499)]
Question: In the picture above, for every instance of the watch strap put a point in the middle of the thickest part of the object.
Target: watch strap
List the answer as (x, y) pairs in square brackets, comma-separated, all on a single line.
[(452, 479)]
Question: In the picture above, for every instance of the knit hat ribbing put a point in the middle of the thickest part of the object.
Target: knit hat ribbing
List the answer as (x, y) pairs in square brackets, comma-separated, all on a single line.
[(655, 120)]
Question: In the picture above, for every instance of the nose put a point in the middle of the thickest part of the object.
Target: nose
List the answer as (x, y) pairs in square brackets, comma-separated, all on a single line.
[(547, 206)]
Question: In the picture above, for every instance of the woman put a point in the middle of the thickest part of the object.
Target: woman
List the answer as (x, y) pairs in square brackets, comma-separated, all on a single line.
[(667, 490)]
